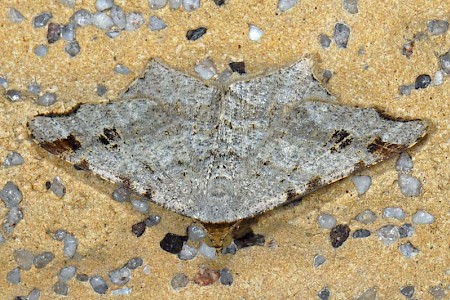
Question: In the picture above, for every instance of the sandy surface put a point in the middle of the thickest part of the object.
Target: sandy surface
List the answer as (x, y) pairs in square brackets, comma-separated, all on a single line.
[(102, 226)]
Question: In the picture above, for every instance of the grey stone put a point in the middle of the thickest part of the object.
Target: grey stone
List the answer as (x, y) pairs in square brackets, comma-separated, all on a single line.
[(24, 259), (409, 185), (179, 281), (34, 88), (152, 220), (11, 195), (13, 159), (422, 217), (318, 261), (284, 5), (394, 212), (102, 5), (324, 294), (67, 273), (326, 221), (140, 205), (405, 90), (70, 245), (14, 95), (13, 276), (156, 24), (134, 21), (82, 277), (175, 4), (68, 3), (42, 19), (157, 4), (207, 251), (406, 230), (351, 6), (404, 163), (57, 187), (41, 50), (68, 32), (444, 59), (191, 5), (362, 183), (119, 17), (13, 217), (226, 277), (196, 232), (43, 259), (98, 284), (134, 263), (438, 292), (15, 16), (101, 91), (187, 252), (341, 35), (408, 250), (120, 276), (47, 99), (369, 294), (437, 27), (35, 294), (3, 82), (366, 217), (361, 233), (206, 69), (324, 41), (82, 18), (121, 194), (61, 288), (388, 234), (123, 291), (102, 20), (407, 291), (121, 69)]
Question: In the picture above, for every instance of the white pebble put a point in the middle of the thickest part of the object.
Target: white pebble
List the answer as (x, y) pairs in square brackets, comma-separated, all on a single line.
[(46, 100), (146, 269), (422, 217), (326, 221), (82, 18), (394, 212), (187, 252), (284, 5), (388, 234), (102, 5), (207, 251), (121, 69), (140, 205), (102, 20), (122, 291), (195, 232), (409, 185), (119, 17), (175, 4), (362, 183), (408, 250), (254, 33), (120, 276), (134, 21), (156, 24), (206, 69), (68, 32), (438, 77), (157, 4), (404, 163), (191, 5)]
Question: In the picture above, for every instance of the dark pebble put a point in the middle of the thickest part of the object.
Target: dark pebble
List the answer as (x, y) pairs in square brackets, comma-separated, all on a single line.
[(48, 185), (407, 291), (72, 48), (138, 229), (339, 234), (361, 233), (422, 81), (250, 239), (406, 230), (327, 74), (324, 294), (134, 263), (82, 277), (237, 67), (53, 32), (226, 278), (20, 298), (219, 2), (101, 90), (195, 34), (173, 243), (341, 35)]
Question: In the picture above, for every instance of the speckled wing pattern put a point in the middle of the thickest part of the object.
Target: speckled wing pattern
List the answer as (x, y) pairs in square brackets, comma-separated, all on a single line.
[(224, 154)]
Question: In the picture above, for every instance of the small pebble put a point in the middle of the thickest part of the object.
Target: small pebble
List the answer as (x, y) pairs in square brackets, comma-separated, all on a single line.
[(284, 5), (121, 69), (146, 270), (250, 239), (121, 194), (394, 212), (175, 4), (404, 163), (67, 273), (41, 50), (43, 259), (179, 281), (195, 34), (70, 245), (341, 35), (187, 252), (68, 32), (438, 77), (409, 185), (120, 276), (437, 27), (15, 16), (318, 261), (237, 67), (35, 294), (191, 5), (46, 100), (2, 239), (407, 291), (327, 74), (339, 234), (60, 234), (42, 19), (13, 276), (61, 288), (138, 229), (226, 278), (13, 217), (230, 249), (324, 41), (438, 292), (408, 250), (11, 195), (422, 81), (57, 187), (196, 232), (24, 259), (13, 159), (156, 24), (408, 49), (362, 183), (82, 277), (422, 217), (68, 3), (219, 2), (207, 251), (326, 221), (98, 284), (254, 33), (82, 18), (134, 263), (14, 95), (370, 294), (34, 88), (405, 90), (113, 34), (123, 291), (444, 59), (406, 230), (388, 234), (102, 21), (53, 33), (361, 233), (157, 4), (173, 243), (206, 276), (152, 220), (141, 206), (102, 5), (351, 6), (206, 69), (101, 91), (119, 17), (3, 82), (134, 21), (324, 294)]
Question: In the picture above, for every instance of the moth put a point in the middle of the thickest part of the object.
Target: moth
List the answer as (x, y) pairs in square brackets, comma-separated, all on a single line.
[(222, 153)]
